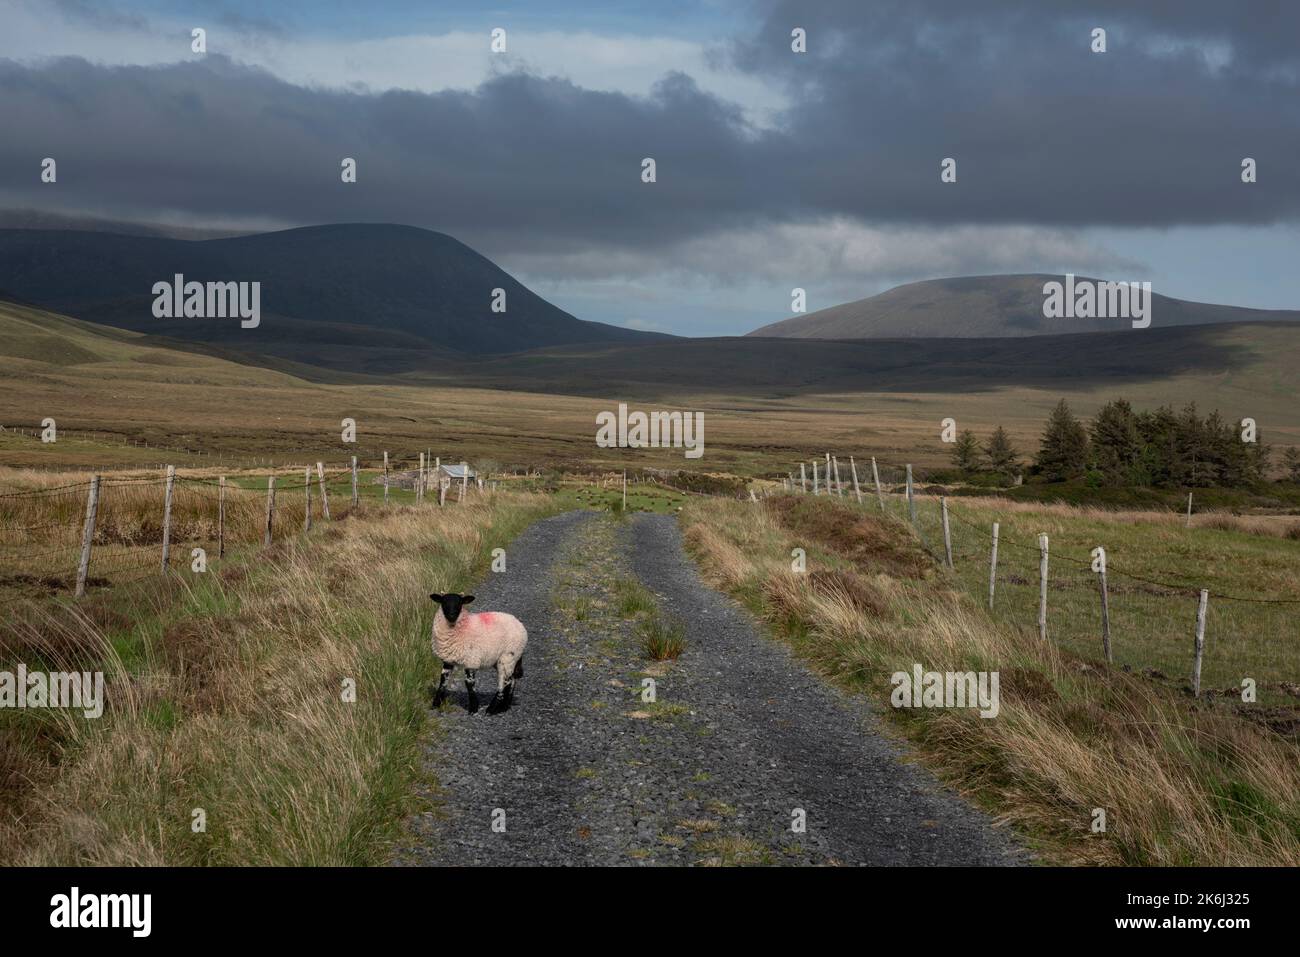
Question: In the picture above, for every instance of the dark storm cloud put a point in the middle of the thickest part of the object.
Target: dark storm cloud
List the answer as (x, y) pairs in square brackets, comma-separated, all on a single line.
[(520, 154), (1151, 132), (1044, 132)]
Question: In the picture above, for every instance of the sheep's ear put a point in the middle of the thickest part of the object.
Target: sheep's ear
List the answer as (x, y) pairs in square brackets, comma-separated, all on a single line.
[(436, 597), (467, 599)]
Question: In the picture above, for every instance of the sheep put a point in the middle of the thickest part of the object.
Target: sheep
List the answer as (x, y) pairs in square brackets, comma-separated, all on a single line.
[(478, 641)]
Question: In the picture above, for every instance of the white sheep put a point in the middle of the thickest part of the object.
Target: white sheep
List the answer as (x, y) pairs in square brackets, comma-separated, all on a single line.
[(478, 641)]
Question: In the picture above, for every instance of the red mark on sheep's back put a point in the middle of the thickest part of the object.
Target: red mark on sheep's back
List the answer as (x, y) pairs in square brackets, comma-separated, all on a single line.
[(470, 622)]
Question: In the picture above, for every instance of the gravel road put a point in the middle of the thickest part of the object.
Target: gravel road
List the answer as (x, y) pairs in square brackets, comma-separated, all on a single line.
[(740, 744)]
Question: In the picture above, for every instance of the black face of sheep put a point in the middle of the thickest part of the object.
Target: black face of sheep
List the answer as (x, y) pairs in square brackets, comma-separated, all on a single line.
[(451, 605)]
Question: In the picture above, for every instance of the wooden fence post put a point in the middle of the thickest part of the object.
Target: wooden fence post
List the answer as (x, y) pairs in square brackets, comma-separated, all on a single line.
[(87, 534), (1189, 509), (306, 484), (1105, 605), (442, 490), (354, 481), (385, 478), (947, 535), (437, 474), (803, 479), (464, 480), (324, 495), (428, 471), (853, 468), (1042, 586), (1200, 643), (875, 473), (911, 501), (167, 516), (270, 510), (839, 486), (816, 491), (419, 481), (993, 566), (221, 517), (625, 490)]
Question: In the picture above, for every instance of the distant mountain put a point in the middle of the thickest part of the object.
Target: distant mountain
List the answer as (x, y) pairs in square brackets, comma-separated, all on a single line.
[(354, 297), (1253, 366), (987, 306), (1255, 358)]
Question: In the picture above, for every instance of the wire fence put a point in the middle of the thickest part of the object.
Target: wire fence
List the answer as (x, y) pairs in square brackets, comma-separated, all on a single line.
[(1251, 634), (199, 455), (1151, 616), (80, 537)]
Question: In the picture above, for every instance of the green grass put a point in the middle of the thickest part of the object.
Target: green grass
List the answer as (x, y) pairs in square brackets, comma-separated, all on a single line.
[(632, 599), (1209, 782), (662, 640), (1151, 626), (1264, 495), (640, 498)]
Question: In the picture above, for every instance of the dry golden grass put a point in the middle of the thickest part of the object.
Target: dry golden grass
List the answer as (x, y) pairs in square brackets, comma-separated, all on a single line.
[(1182, 782), (131, 389), (42, 517), (226, 694)]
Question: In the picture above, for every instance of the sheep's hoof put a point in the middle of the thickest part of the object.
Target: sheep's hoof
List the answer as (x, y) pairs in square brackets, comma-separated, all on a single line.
[(472, 707), (498, 704)]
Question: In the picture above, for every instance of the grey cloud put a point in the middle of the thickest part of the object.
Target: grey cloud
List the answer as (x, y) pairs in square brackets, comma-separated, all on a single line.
[(519, 155), (1045, 134), (1043, 130)]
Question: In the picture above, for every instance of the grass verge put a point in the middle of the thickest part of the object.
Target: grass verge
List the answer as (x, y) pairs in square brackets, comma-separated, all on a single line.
[(279, 699), (1183, 782)]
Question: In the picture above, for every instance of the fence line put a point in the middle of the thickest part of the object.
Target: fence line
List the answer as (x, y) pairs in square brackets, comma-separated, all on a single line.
[(1141, 600), (111, 525)]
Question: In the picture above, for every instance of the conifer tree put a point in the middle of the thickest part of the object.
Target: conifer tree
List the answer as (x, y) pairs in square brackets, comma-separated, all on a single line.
[(1063, 451), (966, 452), (1291, 462), (1117, 444), (1002, 455)]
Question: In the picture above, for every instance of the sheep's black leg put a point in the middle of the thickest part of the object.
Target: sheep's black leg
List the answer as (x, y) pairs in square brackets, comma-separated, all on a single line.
[(469, 690), (441, 693), (494, 706), (501, 700)]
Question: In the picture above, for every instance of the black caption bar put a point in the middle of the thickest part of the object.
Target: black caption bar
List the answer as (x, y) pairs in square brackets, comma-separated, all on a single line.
[(136, 906)]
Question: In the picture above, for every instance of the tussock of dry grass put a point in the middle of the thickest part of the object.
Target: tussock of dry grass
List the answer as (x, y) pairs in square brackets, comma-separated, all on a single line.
[(226, 694), (1182, 782), (867, 539)]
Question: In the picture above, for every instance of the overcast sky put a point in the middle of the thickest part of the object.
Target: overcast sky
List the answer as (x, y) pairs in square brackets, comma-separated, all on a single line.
[(775, 169)]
